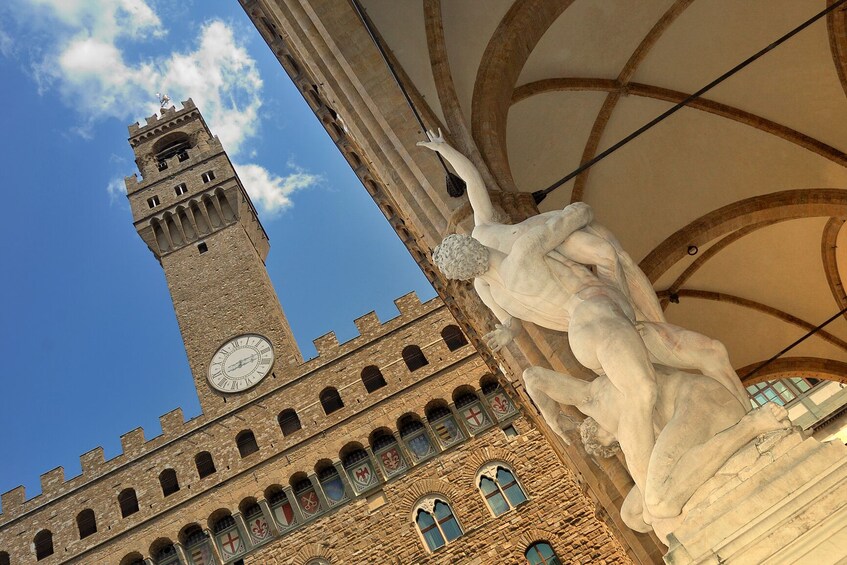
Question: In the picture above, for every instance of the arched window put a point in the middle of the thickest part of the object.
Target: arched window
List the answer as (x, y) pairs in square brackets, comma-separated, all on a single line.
[(331, 400), (246, 443), (4, 558), (43, 544), (281, 508), (165, 554), (541, 553), (86, 523), (414, 357), (228, 537), (205, 464), (289, 422), (372, 378), (436, 523), (128, 502), (169, 482), (500, 488), (453, 337), (133, 558)]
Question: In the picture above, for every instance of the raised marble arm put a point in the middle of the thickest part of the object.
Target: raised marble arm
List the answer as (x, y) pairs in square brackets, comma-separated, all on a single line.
[(551, 234), (477, 193)]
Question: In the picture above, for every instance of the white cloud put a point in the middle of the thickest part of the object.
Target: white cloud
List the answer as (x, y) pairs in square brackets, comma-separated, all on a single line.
[(91, 68), (271, 192), (105, 19), (116, 189), (6, 44)]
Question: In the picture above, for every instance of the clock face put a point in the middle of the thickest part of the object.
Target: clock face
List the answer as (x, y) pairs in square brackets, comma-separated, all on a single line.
[(241, 363)]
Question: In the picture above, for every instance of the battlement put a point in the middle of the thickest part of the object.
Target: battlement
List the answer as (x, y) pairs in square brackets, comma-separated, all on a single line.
[(157, 120), (136, 446)]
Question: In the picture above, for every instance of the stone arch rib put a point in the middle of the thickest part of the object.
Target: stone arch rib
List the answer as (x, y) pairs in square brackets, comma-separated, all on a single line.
[(612, 98), (764, 309), (712, 251), (787, 367), (787, 204), (502, 62), (830, 261), (674, 96), (836, 27)]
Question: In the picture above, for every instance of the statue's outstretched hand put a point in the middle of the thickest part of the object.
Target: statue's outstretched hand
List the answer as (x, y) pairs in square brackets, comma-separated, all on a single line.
[(436, 141), (500, 337)]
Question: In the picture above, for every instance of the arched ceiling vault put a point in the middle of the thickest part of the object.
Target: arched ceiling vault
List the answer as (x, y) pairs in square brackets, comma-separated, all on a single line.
[(754, 175)]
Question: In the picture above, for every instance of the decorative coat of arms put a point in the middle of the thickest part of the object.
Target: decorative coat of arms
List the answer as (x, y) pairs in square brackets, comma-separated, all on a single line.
[(474, 417), (259, 528), (284, 514), (362, 476), (230, 543)]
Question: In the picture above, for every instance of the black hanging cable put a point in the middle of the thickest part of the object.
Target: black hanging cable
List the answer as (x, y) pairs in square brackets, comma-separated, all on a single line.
[(455, 185), (809, 334), (540, 195)]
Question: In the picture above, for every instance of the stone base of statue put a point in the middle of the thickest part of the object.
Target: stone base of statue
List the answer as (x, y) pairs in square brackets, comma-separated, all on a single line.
[(782, 499)]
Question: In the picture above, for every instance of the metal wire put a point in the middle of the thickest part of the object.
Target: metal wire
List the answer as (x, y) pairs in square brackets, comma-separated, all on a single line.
[(540, 195)]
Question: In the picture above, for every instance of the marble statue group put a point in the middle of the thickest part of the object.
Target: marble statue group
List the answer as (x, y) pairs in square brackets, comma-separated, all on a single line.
[(666, 396)]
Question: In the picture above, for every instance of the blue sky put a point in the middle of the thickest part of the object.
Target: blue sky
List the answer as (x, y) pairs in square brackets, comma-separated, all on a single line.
[(89, 342)]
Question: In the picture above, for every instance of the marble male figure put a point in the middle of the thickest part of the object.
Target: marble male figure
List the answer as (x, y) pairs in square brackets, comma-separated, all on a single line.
[(590, 244)]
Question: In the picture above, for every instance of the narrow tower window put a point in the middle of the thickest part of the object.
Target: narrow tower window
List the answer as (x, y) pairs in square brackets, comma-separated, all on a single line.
[(86, 523), (246, 442), (289, 422), (331, 400), (169, 482), (43, 544), (153, 201), (128, 502), (372, 378), (180, 189), (414, 357), (205, 464), (453, 337), (208, 176)]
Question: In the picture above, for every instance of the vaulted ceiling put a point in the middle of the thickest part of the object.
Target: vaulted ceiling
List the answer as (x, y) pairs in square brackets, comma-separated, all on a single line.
[(752, 174)]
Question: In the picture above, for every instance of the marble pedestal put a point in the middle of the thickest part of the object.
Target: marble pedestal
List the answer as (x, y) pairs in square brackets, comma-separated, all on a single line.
[(781, 500)]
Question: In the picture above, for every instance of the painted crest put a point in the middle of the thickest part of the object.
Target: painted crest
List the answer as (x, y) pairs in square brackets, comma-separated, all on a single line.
[(420, 446), (474, 416), (309, 502), (259, 528), (501, 404), (392, 461), (284, 514), (362, 476), (201, 554), (447, 430), (231, 543), (334, 489)]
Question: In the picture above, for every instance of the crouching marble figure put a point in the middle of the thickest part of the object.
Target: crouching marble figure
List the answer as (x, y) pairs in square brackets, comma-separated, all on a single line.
[(563, 271)]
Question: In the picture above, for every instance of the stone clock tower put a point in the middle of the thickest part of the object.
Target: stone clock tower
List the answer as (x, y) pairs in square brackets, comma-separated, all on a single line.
[(195, 216)]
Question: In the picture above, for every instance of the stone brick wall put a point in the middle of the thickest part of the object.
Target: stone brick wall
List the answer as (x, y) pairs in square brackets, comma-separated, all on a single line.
[(557, 512)]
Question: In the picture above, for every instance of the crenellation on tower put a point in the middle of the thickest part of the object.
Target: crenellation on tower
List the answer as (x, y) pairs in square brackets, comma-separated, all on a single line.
[(52, 481), (92, 462), (132, 442), (326, 344), (172, 423)]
